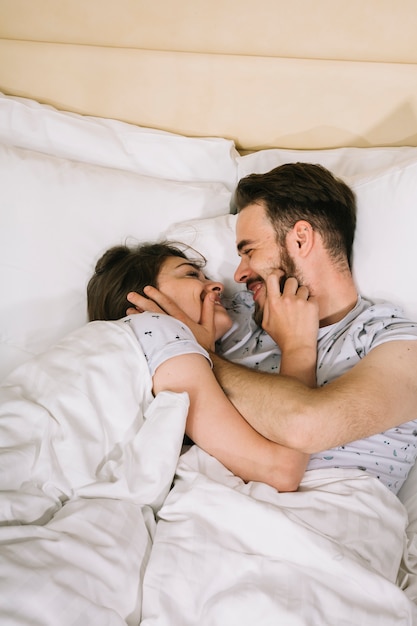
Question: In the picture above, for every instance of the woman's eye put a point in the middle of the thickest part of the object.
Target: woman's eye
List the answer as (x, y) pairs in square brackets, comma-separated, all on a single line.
[(194, 274)]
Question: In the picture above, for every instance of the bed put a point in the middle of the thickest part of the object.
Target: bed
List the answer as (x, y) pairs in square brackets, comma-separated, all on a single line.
[(130, 121)]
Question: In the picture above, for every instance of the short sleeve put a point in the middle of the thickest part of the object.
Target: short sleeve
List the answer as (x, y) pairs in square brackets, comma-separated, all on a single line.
[(380, 323), (163, 337)]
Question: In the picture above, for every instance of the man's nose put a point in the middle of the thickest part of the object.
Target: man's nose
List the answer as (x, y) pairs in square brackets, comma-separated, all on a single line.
[(242, 272)]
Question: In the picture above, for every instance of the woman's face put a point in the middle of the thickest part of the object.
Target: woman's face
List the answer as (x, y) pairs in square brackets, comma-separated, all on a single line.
[(186, 284)]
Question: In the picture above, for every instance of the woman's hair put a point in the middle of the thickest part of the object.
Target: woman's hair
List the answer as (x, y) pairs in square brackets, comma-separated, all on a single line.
[(123, 269), (303, 191)]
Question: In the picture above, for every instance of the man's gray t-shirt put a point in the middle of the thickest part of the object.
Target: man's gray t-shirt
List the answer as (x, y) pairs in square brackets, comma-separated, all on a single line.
[(388, 455)]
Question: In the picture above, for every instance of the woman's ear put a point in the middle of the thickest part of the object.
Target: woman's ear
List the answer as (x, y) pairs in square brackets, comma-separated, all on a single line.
[(300, 238)]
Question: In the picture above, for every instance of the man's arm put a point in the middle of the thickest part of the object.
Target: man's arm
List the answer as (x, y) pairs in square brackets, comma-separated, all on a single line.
[(222, 431), (378, 393), (214, 424)]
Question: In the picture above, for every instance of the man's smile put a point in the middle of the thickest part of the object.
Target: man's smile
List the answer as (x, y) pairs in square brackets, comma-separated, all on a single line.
[(255, 286)]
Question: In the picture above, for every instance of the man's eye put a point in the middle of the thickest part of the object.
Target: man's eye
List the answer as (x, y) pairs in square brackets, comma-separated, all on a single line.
[(247, 252)]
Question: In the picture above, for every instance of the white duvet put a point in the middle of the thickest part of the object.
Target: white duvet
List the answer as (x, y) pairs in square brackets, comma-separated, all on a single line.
[(87, 460), (232, 554), (87, 456)]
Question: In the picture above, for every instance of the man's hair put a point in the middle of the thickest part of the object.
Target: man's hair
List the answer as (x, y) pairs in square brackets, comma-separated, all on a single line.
[(303, 191), (123, 269)]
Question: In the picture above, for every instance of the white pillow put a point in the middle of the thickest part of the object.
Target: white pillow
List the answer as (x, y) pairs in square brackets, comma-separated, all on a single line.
[(215, 239), (385, 251), (57, 217), (343, 162), (385, 184), (28, 124)]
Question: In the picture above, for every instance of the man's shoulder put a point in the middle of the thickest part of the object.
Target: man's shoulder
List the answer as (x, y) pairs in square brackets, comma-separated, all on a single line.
[(382, 314), (367, 325)]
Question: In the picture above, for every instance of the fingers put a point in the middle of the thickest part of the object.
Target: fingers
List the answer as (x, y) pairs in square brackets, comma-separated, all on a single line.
[(207, 323), (142, 304), (162, 301), (273, 288), (207, 311), (295, 289), (291, 287), (157, 302)]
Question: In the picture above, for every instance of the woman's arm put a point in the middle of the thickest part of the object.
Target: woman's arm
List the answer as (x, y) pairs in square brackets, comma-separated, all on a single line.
[(216, 426)]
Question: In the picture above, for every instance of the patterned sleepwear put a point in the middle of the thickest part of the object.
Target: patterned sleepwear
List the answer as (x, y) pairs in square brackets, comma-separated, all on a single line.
[(388, 455)]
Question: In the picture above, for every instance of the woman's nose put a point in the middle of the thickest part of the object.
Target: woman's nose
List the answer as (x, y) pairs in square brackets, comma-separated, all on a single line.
[(214, 286)]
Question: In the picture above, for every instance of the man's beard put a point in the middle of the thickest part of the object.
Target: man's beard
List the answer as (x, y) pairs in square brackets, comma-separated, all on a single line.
[(290, 269), (258, 315)]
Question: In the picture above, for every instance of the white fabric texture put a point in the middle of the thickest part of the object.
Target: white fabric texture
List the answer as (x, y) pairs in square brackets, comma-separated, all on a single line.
[(239, 554), (348, 163), (28, 124), (162, 337), (215, 239), (88, 457), (58, 216)]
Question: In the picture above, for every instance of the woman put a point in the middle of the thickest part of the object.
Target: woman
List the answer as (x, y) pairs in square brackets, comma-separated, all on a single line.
[(178, 363)]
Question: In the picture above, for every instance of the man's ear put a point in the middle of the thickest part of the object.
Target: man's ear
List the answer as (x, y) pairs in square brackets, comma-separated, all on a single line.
[(300, 238)]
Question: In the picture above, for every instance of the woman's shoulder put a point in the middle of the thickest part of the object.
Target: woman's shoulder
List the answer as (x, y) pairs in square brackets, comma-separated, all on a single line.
[(149, 325), (163, 337)]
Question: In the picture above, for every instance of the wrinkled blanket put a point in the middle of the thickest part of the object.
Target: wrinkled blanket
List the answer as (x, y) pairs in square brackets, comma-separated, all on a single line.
[(91, 532), (87, 458), (232, 554)]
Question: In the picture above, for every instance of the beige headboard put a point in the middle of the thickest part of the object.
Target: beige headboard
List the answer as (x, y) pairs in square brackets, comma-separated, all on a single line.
[(271, 73)]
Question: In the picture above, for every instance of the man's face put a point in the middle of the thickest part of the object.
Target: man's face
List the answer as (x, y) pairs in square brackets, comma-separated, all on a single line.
[(260, 255)]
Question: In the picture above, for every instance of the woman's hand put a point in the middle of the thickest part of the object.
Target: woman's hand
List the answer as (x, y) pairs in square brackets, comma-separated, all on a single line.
[(157, 302)]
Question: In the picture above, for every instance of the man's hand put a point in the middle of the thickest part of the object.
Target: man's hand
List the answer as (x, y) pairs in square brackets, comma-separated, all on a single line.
[(156, 302), (290, 317)]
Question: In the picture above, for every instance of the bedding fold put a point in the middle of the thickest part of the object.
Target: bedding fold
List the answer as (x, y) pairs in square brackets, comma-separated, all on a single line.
[(231, 553), (88, 456)]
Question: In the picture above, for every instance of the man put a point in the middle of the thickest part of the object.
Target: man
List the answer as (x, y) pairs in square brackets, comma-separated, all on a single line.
[(298, 221)]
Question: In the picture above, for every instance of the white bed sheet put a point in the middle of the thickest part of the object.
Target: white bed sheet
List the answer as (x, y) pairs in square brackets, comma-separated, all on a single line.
[(229, 553)]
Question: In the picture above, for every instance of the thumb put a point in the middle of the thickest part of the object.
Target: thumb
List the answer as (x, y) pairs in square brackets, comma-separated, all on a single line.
[(207, 321), (207, 312)]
